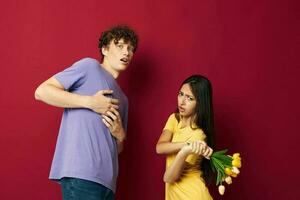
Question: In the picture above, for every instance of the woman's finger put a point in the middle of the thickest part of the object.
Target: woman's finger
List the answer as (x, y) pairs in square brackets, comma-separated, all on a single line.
[(206, 152)]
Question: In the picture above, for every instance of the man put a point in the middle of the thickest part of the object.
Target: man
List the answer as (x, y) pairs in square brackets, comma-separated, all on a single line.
[(94, 123)]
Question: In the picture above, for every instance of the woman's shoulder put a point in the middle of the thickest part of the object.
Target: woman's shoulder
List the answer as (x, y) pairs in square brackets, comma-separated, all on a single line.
[(199, 134), (173, 118), (171, 123)]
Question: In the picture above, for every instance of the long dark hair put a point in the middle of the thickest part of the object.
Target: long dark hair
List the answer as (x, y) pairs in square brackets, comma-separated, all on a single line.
[(202, 90)]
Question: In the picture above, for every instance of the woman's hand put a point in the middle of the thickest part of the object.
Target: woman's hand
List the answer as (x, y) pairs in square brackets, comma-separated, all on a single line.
[(197, 147)]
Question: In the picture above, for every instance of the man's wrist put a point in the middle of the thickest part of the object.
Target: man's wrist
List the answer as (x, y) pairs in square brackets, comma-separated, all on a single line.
[(121, 136), (86, 101)]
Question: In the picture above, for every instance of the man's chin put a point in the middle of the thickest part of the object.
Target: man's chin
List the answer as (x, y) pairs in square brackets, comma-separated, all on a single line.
[(122, 67)]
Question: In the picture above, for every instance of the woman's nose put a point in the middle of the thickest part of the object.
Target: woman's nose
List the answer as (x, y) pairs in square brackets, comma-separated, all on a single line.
[(182, 101)]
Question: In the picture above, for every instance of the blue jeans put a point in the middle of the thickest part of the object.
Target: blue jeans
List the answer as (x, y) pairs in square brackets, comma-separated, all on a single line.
[(79, 189)]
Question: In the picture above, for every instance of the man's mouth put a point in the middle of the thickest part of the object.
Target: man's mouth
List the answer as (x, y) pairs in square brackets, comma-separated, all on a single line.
[(124, 60)]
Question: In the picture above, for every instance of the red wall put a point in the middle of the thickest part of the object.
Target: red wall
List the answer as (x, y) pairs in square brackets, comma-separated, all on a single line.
[(247, 48)]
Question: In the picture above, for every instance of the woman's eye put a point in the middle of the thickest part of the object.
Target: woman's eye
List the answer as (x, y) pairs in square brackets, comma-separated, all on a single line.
[(120, 46), (190, 98), (180, 94)]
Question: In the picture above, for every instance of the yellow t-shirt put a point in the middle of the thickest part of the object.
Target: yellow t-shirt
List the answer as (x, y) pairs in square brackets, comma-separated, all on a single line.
[(191, 185)]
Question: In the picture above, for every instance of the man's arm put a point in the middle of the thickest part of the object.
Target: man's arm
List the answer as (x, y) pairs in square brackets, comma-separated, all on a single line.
[(53, 93), (120, 146)]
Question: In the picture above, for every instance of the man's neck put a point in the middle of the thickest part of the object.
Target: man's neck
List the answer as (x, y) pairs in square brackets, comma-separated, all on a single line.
[(110, 70)]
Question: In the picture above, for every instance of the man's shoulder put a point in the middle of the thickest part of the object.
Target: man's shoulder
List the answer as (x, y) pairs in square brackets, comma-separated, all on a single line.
[(88, 61), (87, 64)]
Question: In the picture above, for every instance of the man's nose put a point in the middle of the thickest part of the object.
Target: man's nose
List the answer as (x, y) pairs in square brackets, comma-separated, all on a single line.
[(125, 51)]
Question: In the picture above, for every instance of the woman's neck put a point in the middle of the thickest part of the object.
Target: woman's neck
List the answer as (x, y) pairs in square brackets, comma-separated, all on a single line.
[(186, 121)]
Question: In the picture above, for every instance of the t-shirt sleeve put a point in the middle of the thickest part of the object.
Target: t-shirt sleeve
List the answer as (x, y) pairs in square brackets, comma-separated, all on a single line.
[(171, 123), (198, 135), (74, 76)]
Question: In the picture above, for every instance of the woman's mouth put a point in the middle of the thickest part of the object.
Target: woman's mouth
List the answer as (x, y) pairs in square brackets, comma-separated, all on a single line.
[(181, 109)]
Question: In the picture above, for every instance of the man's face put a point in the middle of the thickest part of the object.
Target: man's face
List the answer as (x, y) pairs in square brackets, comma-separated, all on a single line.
[(118, 56)]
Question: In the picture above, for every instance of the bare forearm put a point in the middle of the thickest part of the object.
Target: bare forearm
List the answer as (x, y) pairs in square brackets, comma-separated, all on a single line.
[(120, 146), (169, 147), (58, 97), (173, 172)]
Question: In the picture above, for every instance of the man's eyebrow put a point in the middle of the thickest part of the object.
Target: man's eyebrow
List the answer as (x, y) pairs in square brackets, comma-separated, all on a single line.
[(127, 43)]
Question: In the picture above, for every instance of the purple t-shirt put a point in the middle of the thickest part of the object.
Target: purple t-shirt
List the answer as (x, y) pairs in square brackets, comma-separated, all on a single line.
[(85, 148)]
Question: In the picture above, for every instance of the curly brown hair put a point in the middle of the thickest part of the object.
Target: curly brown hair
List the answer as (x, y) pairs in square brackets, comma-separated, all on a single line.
[(117, 33)]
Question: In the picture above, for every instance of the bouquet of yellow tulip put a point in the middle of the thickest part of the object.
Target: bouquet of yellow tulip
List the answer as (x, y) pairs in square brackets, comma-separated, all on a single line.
[(225, 166)]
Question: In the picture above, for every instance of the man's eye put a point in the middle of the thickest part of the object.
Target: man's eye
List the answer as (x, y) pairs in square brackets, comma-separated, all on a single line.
[(130, 49)]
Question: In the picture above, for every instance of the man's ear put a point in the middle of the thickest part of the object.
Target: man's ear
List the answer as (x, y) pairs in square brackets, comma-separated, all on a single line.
[(104, 50)]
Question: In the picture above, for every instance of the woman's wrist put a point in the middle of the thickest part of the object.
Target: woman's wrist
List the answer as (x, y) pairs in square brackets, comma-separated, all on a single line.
[(185, 150)]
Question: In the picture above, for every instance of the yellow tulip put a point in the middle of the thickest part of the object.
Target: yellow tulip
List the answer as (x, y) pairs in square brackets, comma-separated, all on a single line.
[(237, 163), (236, 155), (228, 171), (234, 175), (228, 180), (238, 158), (221, 189)]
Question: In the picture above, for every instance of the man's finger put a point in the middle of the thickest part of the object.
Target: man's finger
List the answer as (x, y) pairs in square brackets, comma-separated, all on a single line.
[(108, 120), (112, 115), (114, 101), (105, 91), (114, 106), (105, 122), (115, 112)]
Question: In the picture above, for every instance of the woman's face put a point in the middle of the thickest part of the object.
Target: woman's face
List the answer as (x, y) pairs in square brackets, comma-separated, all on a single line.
[(186, 101)]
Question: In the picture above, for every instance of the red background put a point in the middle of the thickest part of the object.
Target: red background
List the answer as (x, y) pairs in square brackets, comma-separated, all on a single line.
[(247, 48)]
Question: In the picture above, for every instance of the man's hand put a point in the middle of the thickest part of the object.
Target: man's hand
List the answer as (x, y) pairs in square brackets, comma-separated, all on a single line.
[(99, 103), (113, 121)]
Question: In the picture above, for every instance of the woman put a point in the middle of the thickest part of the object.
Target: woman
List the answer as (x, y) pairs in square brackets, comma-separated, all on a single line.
[(187, 139)]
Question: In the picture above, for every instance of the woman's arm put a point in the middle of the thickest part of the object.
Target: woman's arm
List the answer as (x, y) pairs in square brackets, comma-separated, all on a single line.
[(165, 146), (174, 171)]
